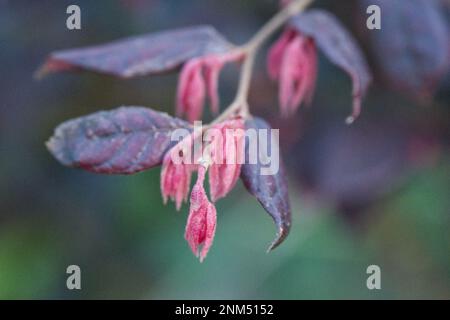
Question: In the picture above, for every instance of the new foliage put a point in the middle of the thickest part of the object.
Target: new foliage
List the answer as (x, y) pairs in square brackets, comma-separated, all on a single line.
[(131, 139)]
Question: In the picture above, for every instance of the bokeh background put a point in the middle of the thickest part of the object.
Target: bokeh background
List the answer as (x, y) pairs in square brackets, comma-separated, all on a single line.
[(376, 192)]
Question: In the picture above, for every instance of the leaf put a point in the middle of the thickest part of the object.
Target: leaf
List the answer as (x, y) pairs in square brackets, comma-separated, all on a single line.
[(412, 47), (121, 141), (141, 55), (339, 47), (270, 190)]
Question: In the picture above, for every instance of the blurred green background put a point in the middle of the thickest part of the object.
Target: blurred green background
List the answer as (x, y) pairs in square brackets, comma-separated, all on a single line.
[(376, 192)]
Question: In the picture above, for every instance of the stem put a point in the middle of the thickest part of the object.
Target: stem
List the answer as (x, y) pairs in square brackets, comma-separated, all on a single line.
[(250, 49), (277, 21)]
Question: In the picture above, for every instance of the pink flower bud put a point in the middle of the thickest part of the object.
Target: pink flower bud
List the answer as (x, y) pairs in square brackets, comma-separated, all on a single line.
[(191, 90), (201, 223), (175, 181), (198, 78), (227, 152), (176, 171), (276, 52), (293, 61), (214, 65)]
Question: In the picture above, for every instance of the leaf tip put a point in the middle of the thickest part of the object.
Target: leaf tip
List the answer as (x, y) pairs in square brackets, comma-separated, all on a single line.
[(55, 146), (53, 65), (349, 120), (40, 73), (49, 144), (282, 233)]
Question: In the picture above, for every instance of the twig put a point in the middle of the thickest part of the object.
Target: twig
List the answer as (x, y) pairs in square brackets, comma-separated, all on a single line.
[(239, 106)]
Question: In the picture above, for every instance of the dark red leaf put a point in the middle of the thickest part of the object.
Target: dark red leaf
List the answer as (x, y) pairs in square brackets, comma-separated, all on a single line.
[(141, 55), (339, 47), (270, 190), (121, 141), (412, 47)]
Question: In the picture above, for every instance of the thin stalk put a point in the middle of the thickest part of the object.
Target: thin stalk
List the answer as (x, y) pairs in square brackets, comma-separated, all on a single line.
[(250, 49)]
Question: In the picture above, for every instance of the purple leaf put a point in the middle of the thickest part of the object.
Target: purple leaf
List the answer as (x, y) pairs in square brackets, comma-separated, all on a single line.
[(121, 141), (339, 47), (412, 47), (141, 55), (270, 190)]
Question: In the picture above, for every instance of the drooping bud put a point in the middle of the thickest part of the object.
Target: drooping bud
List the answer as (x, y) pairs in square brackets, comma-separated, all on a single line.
[(175, 181), (176, 171), (191, 90), (276, 53), (200, 77), (227, 152), (201, 223), (293, 61), (214, 65)]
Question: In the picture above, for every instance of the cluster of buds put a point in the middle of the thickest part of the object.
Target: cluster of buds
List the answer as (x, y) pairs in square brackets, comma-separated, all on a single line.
[(222, 156), (132, 139)]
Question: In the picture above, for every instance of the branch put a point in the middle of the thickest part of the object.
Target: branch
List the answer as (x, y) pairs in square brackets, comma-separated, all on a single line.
[(250, 49)]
